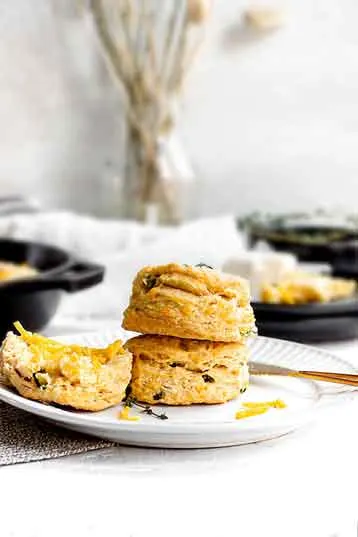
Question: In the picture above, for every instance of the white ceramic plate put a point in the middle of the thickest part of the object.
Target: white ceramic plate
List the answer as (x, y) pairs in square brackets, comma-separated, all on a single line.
[(214, 425)]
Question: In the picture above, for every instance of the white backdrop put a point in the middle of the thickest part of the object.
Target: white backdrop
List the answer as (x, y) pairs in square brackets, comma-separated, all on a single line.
[(271, 123)]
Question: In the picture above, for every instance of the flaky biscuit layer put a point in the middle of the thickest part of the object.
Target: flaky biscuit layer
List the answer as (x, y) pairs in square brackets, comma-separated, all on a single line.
[(190, 302), (174, 371)]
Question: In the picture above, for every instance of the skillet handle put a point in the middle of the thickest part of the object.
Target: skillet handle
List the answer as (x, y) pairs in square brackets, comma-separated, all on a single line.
[(81, 275)]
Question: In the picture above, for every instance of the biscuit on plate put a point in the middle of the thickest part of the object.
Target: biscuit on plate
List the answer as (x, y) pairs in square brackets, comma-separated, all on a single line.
[(190, 302), (80, 377), (175, 371)]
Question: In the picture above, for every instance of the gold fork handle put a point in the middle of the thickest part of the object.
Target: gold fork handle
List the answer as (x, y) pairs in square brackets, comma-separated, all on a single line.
[(339, 378)]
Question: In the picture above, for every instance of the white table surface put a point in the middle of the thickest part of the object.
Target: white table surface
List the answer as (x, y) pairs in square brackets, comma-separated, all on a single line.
[(303, 484)]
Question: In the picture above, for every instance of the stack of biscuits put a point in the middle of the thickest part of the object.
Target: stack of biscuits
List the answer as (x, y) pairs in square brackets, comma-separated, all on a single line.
[(195, 323)]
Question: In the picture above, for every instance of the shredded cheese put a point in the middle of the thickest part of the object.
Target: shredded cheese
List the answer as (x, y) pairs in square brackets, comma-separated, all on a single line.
[(248, 412), (124, 415), (55, 346), (277, 403), (255, 408), (301, 288), (70, 359), (13, 271)]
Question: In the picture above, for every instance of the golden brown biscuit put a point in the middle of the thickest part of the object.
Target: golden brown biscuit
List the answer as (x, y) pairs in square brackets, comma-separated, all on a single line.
[(80, 377), (190, 302), (174, 371)]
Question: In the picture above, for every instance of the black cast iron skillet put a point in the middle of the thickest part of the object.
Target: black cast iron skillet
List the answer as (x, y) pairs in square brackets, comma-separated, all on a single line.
[(266, 311), (34, 301)]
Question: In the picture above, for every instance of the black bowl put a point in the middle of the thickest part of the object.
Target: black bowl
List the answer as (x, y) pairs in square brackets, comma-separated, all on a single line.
[(34, 301)]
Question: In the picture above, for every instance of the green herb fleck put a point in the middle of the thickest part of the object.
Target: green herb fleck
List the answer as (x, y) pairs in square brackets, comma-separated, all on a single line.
[(41, 379), (146, 409), (204, 265), (149, 282), (158, 396), (208, 378)]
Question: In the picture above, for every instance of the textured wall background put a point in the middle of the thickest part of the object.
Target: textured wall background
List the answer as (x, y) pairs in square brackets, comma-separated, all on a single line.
[(269, 123)]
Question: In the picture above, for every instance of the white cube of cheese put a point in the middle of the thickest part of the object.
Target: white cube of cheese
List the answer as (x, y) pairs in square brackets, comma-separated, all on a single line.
[(260, 267)]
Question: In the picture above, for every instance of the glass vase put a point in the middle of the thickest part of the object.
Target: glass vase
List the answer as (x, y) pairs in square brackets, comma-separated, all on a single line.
[(158, 181)]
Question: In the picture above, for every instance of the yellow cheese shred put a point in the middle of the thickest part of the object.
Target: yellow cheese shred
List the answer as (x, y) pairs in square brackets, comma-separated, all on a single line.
[(124, 415), (248, 412), (55, 349), (276, 403), (255, 408)]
